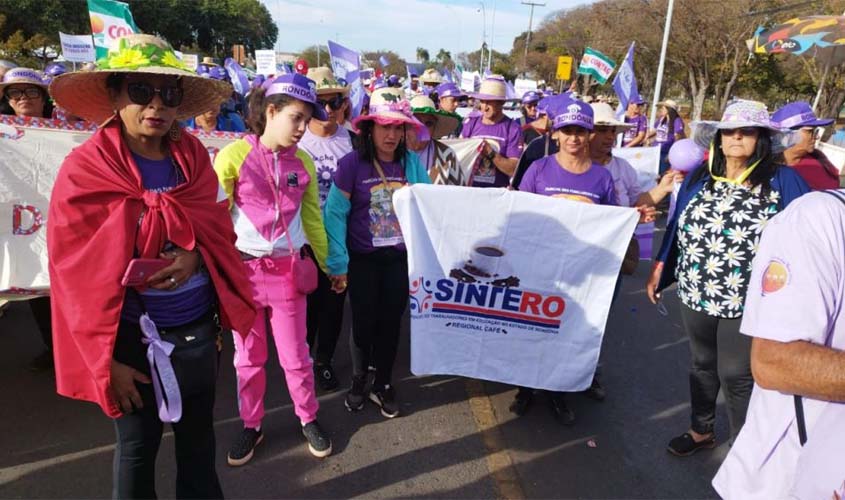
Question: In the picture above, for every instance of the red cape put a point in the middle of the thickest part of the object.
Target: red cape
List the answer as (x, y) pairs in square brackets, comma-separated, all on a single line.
[(92, 231)]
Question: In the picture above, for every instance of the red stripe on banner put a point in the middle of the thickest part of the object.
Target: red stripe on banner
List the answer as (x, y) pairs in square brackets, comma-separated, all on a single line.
[(498, 314)]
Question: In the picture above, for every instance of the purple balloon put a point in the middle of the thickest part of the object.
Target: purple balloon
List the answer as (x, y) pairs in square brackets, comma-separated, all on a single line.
[(685, 155)]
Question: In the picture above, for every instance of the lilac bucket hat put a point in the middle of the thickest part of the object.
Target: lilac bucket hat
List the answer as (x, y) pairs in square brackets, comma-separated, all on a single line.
[(743, 113), (298, 87), (797, 115), (571, 112)]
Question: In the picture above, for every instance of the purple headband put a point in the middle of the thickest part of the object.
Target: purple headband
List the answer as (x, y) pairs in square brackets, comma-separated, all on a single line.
[(293, 90), (575, 114), (798, 120), (402, 106)]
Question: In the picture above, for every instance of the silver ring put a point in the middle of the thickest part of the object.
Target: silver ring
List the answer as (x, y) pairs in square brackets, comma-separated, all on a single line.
[(173, 280)]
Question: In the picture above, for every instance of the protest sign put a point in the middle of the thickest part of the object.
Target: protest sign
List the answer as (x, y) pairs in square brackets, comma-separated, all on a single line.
[(521, 86), (77, 48), (265, 62), (192, 61), (509, 286), (31, 152)]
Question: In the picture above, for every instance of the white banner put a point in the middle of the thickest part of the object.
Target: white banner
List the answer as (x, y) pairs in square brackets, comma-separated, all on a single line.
[(78, 48), (646, 161), (30, 157), (835, 154), (509, 286), (265, 62), (521, 86), (470, 80)]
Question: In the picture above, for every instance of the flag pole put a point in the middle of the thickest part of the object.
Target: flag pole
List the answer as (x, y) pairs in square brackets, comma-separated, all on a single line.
[(662, 64)]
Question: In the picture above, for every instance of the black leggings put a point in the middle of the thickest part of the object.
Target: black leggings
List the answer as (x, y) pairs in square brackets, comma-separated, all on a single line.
[(139, 433), (40, 308), (721, 358), (324, 319), (378, 294)]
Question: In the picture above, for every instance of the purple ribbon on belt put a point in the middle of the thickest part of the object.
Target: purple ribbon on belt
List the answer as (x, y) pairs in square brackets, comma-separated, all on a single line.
[(164, 378)]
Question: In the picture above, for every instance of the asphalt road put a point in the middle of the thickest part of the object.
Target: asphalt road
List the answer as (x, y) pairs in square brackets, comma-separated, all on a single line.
[(446, 444)]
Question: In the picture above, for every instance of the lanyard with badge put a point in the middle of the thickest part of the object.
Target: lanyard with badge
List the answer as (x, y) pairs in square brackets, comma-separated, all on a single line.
[(386, 240)]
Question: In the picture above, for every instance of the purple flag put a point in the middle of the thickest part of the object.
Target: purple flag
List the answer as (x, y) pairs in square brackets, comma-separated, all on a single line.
[(384, 61), (346, 64), (239, 80), (625, 83)]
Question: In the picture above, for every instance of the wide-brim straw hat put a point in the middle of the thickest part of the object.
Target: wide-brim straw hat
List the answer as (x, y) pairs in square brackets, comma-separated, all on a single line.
[(447, 123), (209, 61), (25, 76), (493, 88), (431, 75), (742, 113), (84, 94), (669, 103), (326, 81), (389, 106), (604, 116)]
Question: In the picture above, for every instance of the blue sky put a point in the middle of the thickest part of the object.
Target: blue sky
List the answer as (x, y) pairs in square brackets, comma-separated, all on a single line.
[(404, 25)]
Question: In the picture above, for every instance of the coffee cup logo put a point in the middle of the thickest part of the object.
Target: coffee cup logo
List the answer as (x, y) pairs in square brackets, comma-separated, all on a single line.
[(487, 263)]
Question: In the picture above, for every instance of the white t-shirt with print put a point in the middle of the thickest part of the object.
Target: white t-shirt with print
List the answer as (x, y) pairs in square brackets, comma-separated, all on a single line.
[(326, 152)]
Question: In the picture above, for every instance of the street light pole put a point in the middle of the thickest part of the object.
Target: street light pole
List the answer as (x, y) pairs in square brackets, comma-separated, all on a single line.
[(662, 63), (492, 37), (528, 37), (483, 38)]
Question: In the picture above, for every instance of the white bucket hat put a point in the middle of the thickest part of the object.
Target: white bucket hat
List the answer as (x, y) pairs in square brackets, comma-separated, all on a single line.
[(603, 116)]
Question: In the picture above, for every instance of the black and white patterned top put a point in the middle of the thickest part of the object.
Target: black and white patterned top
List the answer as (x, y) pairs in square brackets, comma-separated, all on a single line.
[(718, 236)]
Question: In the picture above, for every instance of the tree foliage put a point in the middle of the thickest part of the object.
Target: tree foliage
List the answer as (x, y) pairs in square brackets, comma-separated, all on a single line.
[(209, 26)]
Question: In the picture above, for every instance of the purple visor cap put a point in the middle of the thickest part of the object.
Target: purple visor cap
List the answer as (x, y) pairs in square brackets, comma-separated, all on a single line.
[(298, 87), (449, 89), (574, 112), (796, 115), (530, 96)]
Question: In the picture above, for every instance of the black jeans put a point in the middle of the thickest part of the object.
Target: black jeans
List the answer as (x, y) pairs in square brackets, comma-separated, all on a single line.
[(721, 358), (139, 433), (378, 294), (41, 312), (324, 318)]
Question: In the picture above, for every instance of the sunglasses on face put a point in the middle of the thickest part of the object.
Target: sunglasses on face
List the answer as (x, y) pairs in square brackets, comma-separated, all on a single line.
[(744, 131), (17, 94), (142, 93), (334, 103)]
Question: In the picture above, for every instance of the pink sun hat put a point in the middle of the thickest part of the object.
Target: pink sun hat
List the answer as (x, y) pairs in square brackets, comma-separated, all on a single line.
[(388, 106)]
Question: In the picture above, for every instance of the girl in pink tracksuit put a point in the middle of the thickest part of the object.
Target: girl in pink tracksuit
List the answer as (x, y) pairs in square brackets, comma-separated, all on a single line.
[(273, 195)]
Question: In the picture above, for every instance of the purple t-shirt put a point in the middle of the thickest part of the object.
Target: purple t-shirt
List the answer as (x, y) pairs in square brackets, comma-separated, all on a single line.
[(545, 176), (661, 127), (372, 220), (630, 134), (193, 298), (508, 134)]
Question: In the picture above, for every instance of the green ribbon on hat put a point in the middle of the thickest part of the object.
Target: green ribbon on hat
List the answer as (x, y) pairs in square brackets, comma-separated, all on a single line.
[(140, 56)]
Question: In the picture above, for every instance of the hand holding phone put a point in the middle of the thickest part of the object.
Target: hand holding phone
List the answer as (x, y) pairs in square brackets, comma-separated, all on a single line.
[(139, 271)]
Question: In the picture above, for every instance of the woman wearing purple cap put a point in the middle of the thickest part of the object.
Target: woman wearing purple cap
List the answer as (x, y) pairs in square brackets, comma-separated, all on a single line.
[(529, 114), (272, 189), (812, 165)]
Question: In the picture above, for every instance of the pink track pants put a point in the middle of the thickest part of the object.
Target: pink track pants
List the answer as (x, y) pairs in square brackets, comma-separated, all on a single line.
[(276, 297)]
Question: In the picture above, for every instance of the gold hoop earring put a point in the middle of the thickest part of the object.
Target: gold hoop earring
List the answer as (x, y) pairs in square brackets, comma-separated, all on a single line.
[(175, 133)]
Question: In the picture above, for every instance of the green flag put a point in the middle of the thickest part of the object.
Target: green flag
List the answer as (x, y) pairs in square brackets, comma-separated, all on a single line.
[(596, 64), (109, 20)]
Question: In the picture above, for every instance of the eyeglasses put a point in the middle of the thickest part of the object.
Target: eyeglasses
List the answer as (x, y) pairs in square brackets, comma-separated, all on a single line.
[(18, 94), (142, 93), (334, 103), (745, 131)]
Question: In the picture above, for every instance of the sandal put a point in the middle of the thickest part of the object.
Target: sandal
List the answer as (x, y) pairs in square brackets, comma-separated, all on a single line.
[(684, 445)]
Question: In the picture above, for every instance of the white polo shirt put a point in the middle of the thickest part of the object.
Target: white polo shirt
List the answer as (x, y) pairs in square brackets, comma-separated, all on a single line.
[(796, 293)]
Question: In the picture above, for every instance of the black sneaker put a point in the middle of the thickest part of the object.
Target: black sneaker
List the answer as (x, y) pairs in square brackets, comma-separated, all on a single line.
[(318, 443), (385, 399), (522, 401), (684, 445), (325, 377), (355, 397), (563, 414), (595, 391), (244, 446)]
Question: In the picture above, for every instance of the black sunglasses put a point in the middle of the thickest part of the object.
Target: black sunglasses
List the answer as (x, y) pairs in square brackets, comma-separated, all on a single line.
[(142, 93), (29, 92), (745, 131), (335, 103)]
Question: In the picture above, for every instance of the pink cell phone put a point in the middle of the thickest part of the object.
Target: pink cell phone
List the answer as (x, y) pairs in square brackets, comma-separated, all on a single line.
[(139, 271)]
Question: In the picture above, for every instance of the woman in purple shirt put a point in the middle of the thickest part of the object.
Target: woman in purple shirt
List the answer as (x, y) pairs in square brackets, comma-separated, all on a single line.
[(668, 128)]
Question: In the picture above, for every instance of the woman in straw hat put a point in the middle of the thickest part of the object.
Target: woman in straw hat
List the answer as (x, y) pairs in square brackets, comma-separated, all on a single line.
[(497, 164), (366, 242), (326, 142), (139, 200), (439, 124), (430, 79), (721, 211)]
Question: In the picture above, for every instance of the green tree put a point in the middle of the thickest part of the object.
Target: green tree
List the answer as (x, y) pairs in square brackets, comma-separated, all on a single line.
[(395, 66), (310, 56), (423, 55)]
